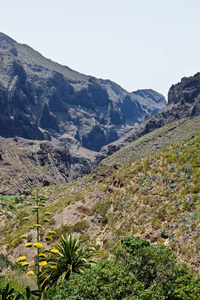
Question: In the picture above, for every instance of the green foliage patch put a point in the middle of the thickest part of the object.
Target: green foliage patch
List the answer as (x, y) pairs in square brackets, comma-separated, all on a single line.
[(137, 270)]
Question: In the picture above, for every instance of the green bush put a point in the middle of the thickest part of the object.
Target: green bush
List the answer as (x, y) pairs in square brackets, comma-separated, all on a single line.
[(137, 270), (81, 226)]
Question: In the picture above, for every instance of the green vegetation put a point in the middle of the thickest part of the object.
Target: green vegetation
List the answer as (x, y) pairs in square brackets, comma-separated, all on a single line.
[(156, 198), (9, 294), (6, 263), (153, 142), (39, 202), (68, 257), (137, 270), (160, 193), (13, 202)]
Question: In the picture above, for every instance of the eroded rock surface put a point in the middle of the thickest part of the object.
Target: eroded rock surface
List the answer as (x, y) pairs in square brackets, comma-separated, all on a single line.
[(183, 102), (40, 99)]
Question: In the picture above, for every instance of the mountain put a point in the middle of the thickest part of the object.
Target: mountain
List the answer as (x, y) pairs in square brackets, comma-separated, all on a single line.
[(42, 100), (148, 188), (156, 197), (183, 102)]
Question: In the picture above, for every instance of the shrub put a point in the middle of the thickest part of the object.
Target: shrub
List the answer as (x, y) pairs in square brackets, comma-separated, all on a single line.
[(138, 270), (81, 226)]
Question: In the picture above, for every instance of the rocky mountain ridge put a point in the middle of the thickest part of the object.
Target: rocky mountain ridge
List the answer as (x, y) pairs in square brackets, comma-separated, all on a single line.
[(183, 102), (76, 114), (40, 99)]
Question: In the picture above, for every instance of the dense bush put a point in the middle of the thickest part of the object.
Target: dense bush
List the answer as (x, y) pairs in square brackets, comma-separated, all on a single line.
[(138, 270)]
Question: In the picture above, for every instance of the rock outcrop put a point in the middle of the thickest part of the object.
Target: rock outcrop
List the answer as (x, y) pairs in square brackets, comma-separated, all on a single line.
[(26, 164), (183, 102)]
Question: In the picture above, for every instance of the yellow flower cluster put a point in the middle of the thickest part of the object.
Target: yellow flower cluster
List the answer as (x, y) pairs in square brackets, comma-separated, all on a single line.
[(37, 245), (42, 263), (21, 258), (28, 245), (30, 273), (42, 255), (36, 226), (25, 263), (53, 267), (54, 250)]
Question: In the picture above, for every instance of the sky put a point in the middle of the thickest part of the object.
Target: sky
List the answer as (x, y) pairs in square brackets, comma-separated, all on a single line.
[(137, 44)]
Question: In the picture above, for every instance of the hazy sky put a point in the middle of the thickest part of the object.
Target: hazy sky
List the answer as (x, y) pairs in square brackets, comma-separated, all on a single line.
[(137, 44)]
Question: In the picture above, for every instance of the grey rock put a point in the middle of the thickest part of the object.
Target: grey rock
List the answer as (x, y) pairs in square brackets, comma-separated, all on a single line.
[(40, 99), (183, 102), (27, 164)]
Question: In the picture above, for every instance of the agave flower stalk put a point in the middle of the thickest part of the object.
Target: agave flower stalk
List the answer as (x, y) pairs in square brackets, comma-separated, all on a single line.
[(38, 203), (39, 245)]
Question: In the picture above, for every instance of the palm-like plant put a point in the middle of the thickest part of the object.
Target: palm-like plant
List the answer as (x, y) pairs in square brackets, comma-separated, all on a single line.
[(69, 257)]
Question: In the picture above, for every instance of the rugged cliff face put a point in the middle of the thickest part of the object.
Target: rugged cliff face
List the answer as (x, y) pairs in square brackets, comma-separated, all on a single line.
[(26, 164), (76, 115), (183, 102), (40, 99)]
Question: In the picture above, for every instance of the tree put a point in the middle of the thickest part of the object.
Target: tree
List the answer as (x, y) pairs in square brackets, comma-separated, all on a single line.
[(69, 257)]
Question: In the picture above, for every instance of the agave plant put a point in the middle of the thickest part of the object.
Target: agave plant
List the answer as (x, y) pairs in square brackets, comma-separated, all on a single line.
[(67, 258)]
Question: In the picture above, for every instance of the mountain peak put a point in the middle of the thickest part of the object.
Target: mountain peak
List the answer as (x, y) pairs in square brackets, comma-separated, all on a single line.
[(6, 42)]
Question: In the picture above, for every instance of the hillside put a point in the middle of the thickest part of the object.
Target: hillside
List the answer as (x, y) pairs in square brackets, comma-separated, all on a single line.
[(155, 141), (155, 197)]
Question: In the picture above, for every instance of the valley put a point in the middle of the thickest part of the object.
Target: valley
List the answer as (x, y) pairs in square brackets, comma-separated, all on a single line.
[(104, 165)]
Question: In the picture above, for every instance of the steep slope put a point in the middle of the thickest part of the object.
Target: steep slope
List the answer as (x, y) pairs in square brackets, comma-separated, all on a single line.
[(155, 197), (26, 164), (183, 102), (153, 142), (40, 99)]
